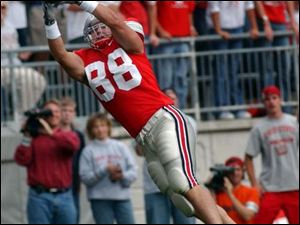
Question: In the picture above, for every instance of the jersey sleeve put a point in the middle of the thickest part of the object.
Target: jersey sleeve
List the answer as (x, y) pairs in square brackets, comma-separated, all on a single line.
[(136, 26)]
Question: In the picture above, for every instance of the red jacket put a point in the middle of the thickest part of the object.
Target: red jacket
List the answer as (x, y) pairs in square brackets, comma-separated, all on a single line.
[(49, 159)]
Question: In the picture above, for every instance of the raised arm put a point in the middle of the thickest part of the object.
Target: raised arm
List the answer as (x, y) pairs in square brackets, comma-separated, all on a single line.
[(123, 34), (71, 62)]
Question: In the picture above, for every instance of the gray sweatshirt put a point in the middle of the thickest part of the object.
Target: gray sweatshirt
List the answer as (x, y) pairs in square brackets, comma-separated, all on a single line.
[(278, 142), (93, 163)]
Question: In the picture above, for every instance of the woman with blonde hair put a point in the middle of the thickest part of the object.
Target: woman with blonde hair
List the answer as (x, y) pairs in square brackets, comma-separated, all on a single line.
[(107, 169)]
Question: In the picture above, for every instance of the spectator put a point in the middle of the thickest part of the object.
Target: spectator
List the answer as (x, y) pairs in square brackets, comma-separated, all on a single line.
[(29, 84), (145, 12), (20, 21), (228, 18), (296, 12), (4, 105), (200, 18), (107, 169), (276, 137), (158, 207), (68, 113), (172, 73), (48, 159), (36, 27), (238, 200), (74, 19), (272, 17), (203, 62)]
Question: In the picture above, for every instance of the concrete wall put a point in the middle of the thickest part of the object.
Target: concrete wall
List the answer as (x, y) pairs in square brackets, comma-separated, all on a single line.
[(216, 142)]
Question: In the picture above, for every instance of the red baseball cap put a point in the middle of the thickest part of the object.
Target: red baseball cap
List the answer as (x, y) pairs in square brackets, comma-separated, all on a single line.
[(271, 90), (233, 161)]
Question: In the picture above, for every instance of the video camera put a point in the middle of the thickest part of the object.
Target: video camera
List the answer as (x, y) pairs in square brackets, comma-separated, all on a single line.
[(33, 125), (217, 182)]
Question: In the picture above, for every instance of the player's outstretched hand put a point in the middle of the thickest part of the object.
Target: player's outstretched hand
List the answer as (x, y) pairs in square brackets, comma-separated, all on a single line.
[(57, 3), (88, 6), (49, 18)]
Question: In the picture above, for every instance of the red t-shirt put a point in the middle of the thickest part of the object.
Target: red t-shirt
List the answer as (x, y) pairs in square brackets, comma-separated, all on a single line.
[(125, 84), (275, 10), (49, 159), (202, 4), (137, 10), (246, 195), (173, 16)]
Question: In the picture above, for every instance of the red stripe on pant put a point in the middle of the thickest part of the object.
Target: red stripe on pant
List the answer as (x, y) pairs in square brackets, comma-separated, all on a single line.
[(183, 145)]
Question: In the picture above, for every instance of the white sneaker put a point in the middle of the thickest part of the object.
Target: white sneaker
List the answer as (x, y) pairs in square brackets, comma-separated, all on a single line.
[(243, 115), (226, 116)]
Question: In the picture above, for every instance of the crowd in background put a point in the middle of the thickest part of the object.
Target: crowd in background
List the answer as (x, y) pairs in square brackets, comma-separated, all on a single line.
[(160, 21), (58, 159)]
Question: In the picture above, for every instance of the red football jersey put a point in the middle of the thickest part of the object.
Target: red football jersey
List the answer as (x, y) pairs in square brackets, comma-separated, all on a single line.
[(124, 83)]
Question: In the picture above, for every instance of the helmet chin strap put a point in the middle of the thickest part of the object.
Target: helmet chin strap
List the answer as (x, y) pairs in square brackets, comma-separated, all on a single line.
[(102, 44)]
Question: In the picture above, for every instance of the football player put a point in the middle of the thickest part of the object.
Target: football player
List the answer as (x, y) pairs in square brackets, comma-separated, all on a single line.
[(117, 70)]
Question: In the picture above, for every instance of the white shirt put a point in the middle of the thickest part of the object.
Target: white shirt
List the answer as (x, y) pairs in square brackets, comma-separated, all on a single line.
[(75, 24), (9, 40), (16, 14), (232, 13), (76, 20)]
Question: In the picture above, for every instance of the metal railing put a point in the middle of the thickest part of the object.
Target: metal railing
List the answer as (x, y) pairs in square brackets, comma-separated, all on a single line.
[(201, 100)]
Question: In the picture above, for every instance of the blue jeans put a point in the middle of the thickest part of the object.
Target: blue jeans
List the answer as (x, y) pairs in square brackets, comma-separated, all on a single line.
[(172, 73), (159, 210), (48, 208), (227, 89), (4, 105), (23, 36), (280, 62), (76, 199), (106, 211)]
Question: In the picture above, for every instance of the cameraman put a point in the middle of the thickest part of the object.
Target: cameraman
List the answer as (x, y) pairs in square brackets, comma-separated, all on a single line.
[(48, 159), (238, 200)]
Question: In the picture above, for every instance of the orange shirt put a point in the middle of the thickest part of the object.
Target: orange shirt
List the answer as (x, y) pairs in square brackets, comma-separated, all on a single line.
[(244, 194)]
